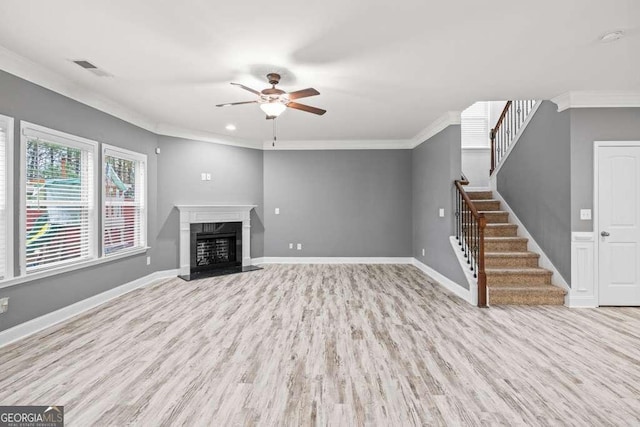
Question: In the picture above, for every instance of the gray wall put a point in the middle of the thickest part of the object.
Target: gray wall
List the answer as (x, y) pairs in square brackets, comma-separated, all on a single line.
[(236, 178), (340, 203), (26, 101), (436, 163), (589, 125), (535, 180)]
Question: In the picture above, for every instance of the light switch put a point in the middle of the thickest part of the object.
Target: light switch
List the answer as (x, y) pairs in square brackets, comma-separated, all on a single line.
[(208, 177), (441, 212), (290, 245), (299, 246), (585, 214), (203, 176), (277, 211)]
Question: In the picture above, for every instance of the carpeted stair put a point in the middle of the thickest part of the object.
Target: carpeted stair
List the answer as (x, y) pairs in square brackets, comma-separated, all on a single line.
[(513, 274)]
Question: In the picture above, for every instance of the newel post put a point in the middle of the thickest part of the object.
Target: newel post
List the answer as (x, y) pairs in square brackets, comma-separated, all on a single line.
[(482, 275)]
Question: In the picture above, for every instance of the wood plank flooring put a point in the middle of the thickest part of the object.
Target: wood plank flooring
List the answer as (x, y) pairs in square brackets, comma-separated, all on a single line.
[(328, 345)]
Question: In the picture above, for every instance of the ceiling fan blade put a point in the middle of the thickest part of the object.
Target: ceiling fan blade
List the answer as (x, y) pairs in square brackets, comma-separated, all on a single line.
[(303, 93), (228, 104), (306, 108), (246, 88)]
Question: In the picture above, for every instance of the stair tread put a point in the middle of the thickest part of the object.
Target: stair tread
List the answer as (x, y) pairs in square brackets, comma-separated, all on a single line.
[(526, 254), (501, 224), (485, 200), (501, 238), (528, 288), (494, 212), (522, 270)]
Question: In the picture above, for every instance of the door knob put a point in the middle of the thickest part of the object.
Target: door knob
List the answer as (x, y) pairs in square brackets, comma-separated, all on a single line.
[(604, 234)]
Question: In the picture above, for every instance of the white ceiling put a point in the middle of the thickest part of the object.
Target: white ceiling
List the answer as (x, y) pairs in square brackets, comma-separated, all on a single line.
[(385, 69)]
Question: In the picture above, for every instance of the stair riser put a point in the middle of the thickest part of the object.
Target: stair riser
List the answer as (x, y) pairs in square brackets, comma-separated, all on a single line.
[(518, 278), (486, 205), (508, 246), (496, 217), (480, 195), (506, 231), (523, 298), (501, 231), (514, 262)]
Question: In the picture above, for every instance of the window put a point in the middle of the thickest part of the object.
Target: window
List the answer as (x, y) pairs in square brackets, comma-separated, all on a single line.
[(59, 198), (124, 196), (6, 143), (475, 125)]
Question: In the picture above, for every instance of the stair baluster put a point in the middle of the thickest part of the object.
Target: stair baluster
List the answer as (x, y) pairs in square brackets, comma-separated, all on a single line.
[(470, 225), (506, 129)]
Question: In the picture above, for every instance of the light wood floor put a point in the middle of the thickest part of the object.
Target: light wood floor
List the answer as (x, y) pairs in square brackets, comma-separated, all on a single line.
[(328, 345)]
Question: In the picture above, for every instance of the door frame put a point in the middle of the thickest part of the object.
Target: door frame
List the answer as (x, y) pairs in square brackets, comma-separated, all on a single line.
[(596, 205)]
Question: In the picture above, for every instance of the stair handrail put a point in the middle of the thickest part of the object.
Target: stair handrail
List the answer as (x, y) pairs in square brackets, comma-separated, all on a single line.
[(513, 115), (470, 231)]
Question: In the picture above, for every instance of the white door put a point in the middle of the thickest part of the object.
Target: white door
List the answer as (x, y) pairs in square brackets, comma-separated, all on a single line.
[(618, 228)]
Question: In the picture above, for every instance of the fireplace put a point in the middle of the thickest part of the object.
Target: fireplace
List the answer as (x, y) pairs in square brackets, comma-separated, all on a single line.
[(214, 240), (215, 246)]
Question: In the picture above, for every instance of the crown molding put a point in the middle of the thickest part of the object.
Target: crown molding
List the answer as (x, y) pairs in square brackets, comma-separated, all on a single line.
[(164, 129), (441, 123), (597, 99), (35, 73), (373, 144)]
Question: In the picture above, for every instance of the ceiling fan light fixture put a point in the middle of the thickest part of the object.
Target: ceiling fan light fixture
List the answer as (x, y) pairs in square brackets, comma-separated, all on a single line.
[(273, 109)]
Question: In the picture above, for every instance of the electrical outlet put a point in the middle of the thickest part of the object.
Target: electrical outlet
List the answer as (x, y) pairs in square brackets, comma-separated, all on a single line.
[(4, 305), (148, 260), (290, 245), (299, 246), (157, 150), (585, 214), (277, 211), (422, 251)]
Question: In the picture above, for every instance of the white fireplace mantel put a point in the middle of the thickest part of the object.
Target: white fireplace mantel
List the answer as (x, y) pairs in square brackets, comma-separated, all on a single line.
[(193, 214)]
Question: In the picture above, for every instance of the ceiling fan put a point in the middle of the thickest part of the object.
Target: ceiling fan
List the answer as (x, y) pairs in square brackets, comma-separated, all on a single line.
[(274, 101)]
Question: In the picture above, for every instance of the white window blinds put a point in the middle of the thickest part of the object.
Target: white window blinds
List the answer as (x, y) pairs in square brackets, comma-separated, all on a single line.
[(59, 198), (475, 125), (6, 125), (124, 195)]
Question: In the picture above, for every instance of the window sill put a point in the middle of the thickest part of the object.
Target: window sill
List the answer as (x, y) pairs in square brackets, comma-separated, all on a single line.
[(72, 267)]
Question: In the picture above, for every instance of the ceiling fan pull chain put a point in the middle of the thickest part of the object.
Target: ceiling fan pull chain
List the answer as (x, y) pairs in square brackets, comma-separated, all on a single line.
[(273, 144)]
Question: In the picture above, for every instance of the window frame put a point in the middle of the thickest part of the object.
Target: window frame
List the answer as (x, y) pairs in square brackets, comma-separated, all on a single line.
[(28, 130), (8, 260), (125, 154)]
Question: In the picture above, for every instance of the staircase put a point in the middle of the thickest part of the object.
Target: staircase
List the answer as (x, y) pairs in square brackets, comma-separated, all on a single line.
[(513, 275)]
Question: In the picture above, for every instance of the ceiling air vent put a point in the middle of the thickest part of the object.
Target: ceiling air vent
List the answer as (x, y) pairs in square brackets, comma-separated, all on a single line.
[(91, 68), (85, 64)]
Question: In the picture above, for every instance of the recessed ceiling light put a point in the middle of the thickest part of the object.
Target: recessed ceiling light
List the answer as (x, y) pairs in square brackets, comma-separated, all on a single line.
[(612, 36), (230, 127)]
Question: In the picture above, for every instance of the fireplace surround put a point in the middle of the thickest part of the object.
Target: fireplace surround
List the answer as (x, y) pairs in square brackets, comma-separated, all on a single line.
[(214, 240)]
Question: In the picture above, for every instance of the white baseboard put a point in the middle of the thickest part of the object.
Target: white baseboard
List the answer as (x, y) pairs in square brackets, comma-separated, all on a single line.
[(39, 323), (443, 280), (332, 260), (545, 262)]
